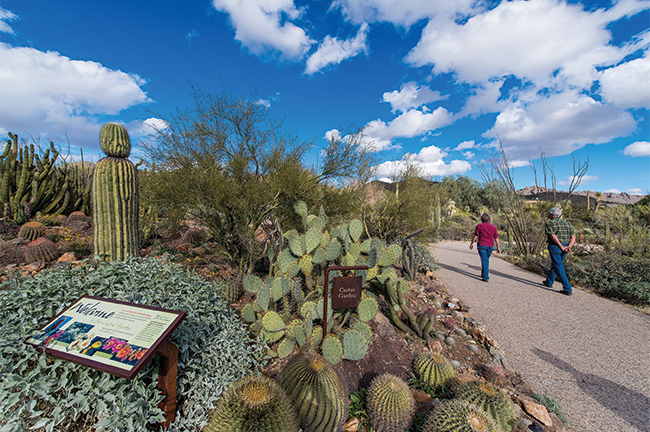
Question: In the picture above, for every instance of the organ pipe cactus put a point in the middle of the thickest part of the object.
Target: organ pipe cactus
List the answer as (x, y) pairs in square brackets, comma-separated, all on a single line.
[(115, 198)]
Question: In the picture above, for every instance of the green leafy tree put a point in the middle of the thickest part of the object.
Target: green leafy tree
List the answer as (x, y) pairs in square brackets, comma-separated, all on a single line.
[(232, 166)]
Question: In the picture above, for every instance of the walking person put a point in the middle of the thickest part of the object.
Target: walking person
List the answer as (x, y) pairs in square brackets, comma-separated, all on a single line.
[(485, 236), (561, 237)]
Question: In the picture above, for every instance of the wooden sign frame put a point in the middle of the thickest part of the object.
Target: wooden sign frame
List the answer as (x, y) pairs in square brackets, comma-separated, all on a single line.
[(108, 335)]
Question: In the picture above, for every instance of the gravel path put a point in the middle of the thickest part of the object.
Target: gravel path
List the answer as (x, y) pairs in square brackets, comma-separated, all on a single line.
[(590, 353)]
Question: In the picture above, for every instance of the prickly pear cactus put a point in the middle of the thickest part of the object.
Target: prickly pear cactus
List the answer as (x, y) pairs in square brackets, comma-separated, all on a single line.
[(31, 230), (455, 415), (316, 392), (390, 404), (490, 399), (115, 198), (253, 404), (434, 371)]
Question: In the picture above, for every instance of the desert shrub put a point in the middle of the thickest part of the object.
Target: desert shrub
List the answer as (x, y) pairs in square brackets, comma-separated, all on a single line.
[(459, 227), (613, 275), (50, 220), (39, 391), (80, 249), (424, 257)]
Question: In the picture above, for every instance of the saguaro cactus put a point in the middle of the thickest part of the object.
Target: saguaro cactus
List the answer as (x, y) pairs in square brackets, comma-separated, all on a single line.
[(115, 197)]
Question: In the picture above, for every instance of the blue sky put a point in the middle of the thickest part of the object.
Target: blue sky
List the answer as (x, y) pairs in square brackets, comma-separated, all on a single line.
[(438, 80)]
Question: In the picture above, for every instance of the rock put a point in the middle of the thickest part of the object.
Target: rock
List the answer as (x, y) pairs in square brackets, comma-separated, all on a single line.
[(67, 257), (440, 336), (183, 247), (464, 379), (459, 316), (33, 267), (11, 251), (420, 396), (464, 308), (455, 364), (431, 288), (473, 348), (450, 341), (460, 332), (390, 354), (197, 251), (382, 325), (351, 425), (435, 346), (558, 426), (537, 411), (437, 305)]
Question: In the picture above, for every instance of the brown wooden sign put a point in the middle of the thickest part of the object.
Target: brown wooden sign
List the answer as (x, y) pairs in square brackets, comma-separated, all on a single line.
[(108, 335), (346, 292)]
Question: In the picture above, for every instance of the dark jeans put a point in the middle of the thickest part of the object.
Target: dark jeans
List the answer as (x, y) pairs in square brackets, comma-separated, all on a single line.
[(484, 252), (557, 267)]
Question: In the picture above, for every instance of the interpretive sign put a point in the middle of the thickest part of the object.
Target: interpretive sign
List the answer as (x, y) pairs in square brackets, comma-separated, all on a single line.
[(108, 335), (346, 291)]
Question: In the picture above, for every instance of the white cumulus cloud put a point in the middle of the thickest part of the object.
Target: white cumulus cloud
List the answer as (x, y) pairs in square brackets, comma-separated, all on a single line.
[(410, 124), (585, 180), (430, 160), (638, 148), (50, 94), (465, 145), (627, 85), (410, 95), (333, 51), (264, 26)]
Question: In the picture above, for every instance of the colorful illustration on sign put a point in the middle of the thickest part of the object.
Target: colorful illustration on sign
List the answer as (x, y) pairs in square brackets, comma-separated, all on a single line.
[(74, 332), (129, 354), (53, 328), (95, 345)]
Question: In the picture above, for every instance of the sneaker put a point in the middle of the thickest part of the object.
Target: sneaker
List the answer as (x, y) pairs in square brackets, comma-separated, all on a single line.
[(545, 284), (568, 293), (485, 280)]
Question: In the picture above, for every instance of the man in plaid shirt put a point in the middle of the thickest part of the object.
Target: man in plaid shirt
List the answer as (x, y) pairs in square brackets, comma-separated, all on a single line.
[(561, 237)]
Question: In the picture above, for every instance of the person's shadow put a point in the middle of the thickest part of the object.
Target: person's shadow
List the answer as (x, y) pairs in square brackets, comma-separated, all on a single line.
[(475, 274), (631, 406)]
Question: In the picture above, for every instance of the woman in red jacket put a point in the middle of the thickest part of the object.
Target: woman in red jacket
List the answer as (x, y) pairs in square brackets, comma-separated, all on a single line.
[(485, 236)]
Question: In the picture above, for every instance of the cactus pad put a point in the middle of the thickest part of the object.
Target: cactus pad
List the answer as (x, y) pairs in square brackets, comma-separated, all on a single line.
[(386, 258), (434, 370), (252, 284), (490, 399), (459, 416), (333, 250), (390, 404), (319, 256), (248, 313), (300, 208), (363, 328), (355, 229), (296, 244), (272, 322), (367, 309), (316, 393), (286, 347), (355, 345), (332, 349), (31, 231), (253, 404), (312, 239)]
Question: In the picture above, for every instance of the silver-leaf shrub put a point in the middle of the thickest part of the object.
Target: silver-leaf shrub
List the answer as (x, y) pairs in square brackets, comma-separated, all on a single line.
[(37, 391)]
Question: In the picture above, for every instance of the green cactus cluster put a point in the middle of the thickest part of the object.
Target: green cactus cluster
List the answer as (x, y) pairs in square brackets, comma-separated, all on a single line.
[(31, 183), (31, 230), (434, 371), (115, 198), (316, 393), (41, 249), (454, 415), (230, 288), (490, 399), (390, 404), (253, 404), (293, 290)]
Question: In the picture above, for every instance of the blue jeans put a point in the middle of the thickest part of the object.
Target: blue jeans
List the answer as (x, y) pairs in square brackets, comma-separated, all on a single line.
[(557, 267), (484, 252)]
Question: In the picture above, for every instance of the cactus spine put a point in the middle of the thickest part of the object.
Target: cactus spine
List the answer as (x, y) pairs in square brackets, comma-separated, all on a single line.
[(455, 415), (253, 404), (490, 399), (316, 392), (390, 404), (434, 371), (115, 198)]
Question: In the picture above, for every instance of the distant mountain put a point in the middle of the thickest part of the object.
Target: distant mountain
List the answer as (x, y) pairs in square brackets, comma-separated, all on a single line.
[(578, 197)]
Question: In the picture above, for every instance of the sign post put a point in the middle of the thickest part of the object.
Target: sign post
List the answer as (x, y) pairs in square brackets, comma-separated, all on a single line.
[(116, 337), (346, 291)]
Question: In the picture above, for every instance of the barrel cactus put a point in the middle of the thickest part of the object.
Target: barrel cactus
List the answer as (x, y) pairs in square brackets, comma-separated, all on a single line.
[(252, 404), (390, 404), (115, 198), (76, 216), (41, 249), (192, 235), (31, 230), (490, 399), (316, 392), (434, 371), (456, 415)]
